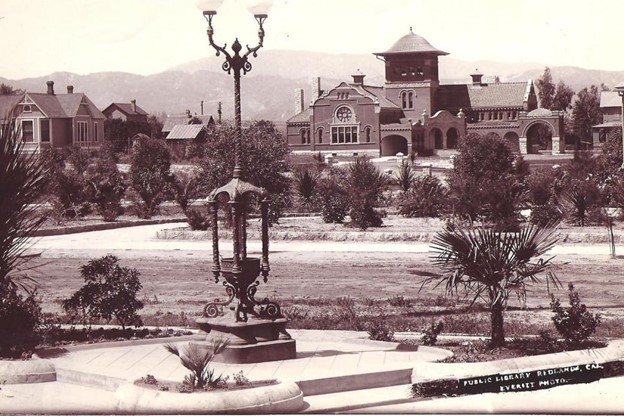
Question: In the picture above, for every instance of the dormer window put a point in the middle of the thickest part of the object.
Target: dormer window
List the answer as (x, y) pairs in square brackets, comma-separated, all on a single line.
[(27, 109)]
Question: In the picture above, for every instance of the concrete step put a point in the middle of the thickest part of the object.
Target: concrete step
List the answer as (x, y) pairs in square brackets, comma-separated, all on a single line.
[(358, 399), (81, 378)]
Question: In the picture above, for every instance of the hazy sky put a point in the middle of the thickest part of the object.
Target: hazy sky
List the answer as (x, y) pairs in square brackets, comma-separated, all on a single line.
[(149, 36)]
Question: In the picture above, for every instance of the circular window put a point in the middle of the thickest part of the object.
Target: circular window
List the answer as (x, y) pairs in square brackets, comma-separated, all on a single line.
[(344, 114)]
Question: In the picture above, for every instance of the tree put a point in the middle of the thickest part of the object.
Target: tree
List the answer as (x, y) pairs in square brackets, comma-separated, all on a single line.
[(186, 187), (364, 186), (149, 174), (156, 127), (23, 180), (106, 187), (405, 176), (264, 151), (491, 266), (426, 198), (119, 132), (110, 291), (563, 97), (586, 112), (484, 185), (546, 89)]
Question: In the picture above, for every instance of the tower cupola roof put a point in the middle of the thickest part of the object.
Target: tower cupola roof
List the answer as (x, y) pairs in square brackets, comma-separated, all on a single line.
[(409, 44)]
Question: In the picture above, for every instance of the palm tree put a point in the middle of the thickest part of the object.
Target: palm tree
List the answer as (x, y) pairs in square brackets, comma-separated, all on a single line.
[(306, 184), (491, 265), (405, 176), (23, 180)]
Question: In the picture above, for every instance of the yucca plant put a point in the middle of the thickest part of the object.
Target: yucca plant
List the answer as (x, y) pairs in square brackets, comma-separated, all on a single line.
[(306, 184), (405, 176), (491, 266), (22, 186), (198, 360)]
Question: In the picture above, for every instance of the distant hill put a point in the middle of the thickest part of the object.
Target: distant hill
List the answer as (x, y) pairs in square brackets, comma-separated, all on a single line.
[(268, 90)]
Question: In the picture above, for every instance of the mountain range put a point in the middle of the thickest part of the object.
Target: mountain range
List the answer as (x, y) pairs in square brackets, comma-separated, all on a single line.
[(268, 90)]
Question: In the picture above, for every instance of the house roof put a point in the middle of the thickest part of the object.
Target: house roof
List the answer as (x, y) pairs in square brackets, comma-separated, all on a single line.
[(501, 95), (127, 109), (185, 132), (608, 124), (411, 43), (179, 119), (302, 117), (64, 105), (7, 103), (377, 93), (610, 99)]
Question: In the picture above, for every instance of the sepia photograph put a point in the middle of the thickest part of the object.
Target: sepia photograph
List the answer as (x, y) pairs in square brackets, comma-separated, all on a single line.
[(311, 206)]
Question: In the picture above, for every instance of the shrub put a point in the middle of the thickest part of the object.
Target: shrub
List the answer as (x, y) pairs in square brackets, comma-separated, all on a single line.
[(405, 176), (110, 291), (426, 198), (379, 330), (334, 202), (20, 318), (430, 334), (364, 187), (149, 174), (197, 219), (306, 184), (106, 186), (575, 324)]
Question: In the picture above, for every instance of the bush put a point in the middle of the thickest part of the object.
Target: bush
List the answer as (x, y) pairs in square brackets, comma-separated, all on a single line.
[(405, 176), (197, 220), (575, 324), (334, 202), (426, 198), (110, 291), (306, 184), (149, 174), (430, 334), (379, 330), (365, 185), (198, 360), (106, 186), (20, 318)]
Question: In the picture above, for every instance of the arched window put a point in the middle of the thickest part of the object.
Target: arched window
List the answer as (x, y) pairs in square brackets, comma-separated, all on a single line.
[(368, 134), (308, 136), (410, 99), (320, 135), (403, 100), (302, 133)]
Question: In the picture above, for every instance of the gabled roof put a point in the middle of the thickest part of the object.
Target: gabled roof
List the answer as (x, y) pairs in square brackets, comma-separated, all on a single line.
[(179, 119), (411, 43), (185, 132), (127, 109), (64, 105), (610, 99), (498, 95), (378, 93)]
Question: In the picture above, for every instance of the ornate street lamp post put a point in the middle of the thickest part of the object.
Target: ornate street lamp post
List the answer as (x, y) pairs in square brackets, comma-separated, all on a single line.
[(258, 330), (620, 89)]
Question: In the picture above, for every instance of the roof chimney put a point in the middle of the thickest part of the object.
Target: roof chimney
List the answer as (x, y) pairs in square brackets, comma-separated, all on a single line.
[(70, 89), (133, 102), (202, 107), (358, 78), (298, 100), (316, 88), (476, 78), (50, 87)]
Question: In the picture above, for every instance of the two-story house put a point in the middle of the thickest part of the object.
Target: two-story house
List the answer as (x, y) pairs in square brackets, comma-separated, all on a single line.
[(126, 111), (611, 110)]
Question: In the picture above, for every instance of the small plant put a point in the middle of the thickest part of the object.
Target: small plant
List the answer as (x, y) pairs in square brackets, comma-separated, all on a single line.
[(575, 324), (379, 330), (240, 379), (400, 301), (430, 334), (198, 360), (149, 379)]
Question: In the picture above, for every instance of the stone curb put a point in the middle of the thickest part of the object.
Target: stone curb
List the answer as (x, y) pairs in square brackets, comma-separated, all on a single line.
[(285, 397), (101, 226), (27, 371), (424, 372)]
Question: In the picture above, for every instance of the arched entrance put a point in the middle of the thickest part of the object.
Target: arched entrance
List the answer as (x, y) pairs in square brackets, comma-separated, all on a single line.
[(513, 140), (437, 139), (451, 138), (539, 137), (391, 145)]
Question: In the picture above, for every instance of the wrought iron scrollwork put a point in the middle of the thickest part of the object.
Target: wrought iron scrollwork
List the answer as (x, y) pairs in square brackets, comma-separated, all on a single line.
[(268, 309), (215, 309)]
